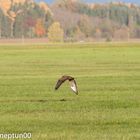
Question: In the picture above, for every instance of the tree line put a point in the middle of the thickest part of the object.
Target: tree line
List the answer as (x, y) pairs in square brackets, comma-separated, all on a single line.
[(24, 20), (70, 20)]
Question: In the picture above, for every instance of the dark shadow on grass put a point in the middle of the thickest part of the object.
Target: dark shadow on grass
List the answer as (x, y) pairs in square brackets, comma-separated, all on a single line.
[(35, 101), (63, 100)]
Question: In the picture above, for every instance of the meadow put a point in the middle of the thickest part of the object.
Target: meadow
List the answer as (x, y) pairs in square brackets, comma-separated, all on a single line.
[(108, 79)]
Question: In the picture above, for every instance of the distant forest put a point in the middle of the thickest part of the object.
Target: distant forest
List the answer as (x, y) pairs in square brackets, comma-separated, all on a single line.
[(77, 20)]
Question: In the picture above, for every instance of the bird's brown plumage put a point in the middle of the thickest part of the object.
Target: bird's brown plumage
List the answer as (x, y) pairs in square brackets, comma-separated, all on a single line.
[(70, 79)]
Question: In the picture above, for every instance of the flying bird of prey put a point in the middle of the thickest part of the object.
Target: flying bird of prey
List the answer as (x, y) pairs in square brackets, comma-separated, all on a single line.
[(71, 81)]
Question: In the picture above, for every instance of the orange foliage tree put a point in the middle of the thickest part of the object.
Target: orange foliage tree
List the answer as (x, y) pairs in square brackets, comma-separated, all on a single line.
[(39, 28)]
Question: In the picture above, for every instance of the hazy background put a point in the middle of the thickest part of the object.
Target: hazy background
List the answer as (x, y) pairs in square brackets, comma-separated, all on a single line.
[(70, 20)]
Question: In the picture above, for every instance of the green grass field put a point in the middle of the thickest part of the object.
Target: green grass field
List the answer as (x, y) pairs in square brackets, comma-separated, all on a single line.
[(108, 78)]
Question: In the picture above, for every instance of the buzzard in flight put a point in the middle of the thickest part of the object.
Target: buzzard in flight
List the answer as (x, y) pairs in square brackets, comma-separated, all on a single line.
[(71, 81)]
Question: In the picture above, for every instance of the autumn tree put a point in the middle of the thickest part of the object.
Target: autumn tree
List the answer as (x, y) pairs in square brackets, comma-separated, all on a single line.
[(122, 33), (68, 24), (98, 33), (39, 28), (78, 34), (1, 17), (55, 32), (85, 24)]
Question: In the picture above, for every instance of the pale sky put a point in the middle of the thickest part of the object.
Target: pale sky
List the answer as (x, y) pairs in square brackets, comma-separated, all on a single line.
[(99, 1)]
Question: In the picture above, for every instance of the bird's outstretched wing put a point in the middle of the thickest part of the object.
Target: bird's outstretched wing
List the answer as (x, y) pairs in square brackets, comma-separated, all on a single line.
[(58, 84), (60, 81), (71, 80), (73, 86)]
